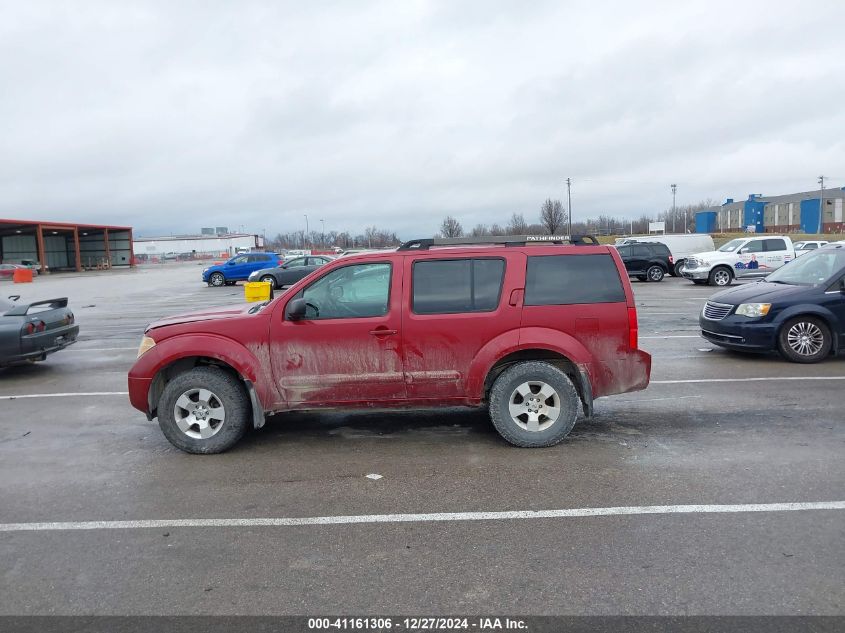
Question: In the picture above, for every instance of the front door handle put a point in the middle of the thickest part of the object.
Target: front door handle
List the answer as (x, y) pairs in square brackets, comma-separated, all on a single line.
[(383, 332)]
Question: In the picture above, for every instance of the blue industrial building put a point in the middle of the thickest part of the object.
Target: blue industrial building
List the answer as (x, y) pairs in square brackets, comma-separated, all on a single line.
[(791, 213)]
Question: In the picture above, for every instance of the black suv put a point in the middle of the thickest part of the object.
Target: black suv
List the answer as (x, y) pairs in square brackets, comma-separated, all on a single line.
[(647, 261)]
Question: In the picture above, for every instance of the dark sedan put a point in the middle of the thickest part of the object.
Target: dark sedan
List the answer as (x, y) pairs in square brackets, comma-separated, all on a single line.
[(291, 271), (798, 310), (28, 332)]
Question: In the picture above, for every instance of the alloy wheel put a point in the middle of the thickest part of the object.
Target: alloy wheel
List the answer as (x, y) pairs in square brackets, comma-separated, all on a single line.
[(199, 413), (805, 338), (534, 405)]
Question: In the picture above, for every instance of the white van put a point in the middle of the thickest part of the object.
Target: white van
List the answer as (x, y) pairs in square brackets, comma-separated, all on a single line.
[(681, 245), (742, 257)]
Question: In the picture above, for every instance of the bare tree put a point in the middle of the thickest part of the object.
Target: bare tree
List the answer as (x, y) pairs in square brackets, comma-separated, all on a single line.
[(552, 216), (479, 230), (451, 227), (517, 225)]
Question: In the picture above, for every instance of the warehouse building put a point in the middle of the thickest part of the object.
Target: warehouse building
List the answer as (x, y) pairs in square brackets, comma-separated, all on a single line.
[(791, 213), (58, 246), (196, 246)]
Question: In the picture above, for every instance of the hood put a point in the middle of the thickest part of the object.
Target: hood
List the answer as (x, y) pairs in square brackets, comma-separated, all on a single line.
[(708, 255), (212, 314), (760, 292)]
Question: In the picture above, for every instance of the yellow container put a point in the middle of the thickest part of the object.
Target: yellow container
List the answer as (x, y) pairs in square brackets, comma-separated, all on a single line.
[(258, 290)]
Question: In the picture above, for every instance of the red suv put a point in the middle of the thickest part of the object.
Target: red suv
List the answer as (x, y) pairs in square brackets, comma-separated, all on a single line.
[(533, 331)]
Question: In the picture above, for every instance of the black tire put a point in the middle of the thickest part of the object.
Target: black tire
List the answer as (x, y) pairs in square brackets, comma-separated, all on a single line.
[(817, 343), (231, 396), (270, 280), (504, 388), (216, 280), (642, 278), (655, 273), (720, 276), (676, 271)]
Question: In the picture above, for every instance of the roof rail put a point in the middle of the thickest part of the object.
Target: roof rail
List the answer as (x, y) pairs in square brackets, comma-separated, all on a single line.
[(507, 240)]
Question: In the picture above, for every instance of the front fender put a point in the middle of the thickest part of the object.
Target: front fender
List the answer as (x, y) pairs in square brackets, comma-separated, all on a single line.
[(244, 361), (816, 310)]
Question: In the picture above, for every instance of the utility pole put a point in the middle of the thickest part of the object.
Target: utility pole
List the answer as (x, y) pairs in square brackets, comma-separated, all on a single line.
[(307, 231), (821, 206), (674, 189), (323, 234), (569, 197)]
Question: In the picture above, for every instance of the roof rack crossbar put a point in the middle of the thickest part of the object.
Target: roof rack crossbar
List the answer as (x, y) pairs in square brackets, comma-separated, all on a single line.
[(508, 240)]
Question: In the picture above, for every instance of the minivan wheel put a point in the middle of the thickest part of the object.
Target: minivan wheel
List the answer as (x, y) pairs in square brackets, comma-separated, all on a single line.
[(216, 280), (204, 410), (533, 404), (655, 273), (720, 276), (269, 279), (804, 339)]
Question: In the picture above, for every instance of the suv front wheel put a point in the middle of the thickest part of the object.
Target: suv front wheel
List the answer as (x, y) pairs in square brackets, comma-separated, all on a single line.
[(204, 410), (533, 404)]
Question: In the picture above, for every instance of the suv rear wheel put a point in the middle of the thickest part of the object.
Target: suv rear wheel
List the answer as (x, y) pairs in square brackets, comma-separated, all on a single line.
[(533, 404), (655, 273), (204, 410)]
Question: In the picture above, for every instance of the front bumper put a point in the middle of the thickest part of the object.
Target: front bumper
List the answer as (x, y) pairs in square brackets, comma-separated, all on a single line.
[(740, 333), (695, 273), (37, 346)]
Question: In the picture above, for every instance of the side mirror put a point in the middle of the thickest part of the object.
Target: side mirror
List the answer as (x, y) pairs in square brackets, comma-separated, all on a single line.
[(230, 263), (742, 251), (297, 309)]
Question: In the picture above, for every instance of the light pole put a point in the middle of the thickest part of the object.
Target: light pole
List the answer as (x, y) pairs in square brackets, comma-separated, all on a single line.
[(674, 189), (569, 198), (307, 230), (323, 234), (821, 205)]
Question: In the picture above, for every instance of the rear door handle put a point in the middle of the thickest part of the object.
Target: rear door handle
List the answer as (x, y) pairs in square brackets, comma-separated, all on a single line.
[(383, 332)]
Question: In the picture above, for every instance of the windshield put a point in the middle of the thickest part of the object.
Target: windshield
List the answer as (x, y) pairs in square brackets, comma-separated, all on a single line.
[(817, 268), (731, 246)]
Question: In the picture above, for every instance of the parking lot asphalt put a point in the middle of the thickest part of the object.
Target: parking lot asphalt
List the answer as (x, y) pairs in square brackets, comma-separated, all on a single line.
[(714, 428)]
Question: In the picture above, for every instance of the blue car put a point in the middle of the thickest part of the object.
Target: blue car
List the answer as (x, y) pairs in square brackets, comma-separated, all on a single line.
[(798, 310), (239, 268)]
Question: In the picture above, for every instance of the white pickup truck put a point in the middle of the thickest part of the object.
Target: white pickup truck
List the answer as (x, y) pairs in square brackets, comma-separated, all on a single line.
[(742, 257)]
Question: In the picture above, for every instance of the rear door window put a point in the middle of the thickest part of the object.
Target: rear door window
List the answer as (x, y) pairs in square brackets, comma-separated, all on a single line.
[(642, 251), (775, 245), (569, 279), (457, 285)]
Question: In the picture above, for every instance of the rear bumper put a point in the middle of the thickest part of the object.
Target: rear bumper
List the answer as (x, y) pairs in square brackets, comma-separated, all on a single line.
[(37, 346)]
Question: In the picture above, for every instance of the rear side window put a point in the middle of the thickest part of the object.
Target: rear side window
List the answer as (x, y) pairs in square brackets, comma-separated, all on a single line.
[(457, 285), (642, 251), (568, 279), (775, 245)]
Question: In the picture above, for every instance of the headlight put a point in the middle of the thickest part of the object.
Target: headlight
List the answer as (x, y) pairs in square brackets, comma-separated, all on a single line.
[(754, 309), (146, 345)]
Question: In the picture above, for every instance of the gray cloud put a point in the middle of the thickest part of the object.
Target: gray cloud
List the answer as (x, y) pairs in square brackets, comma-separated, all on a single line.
[(169, 116)]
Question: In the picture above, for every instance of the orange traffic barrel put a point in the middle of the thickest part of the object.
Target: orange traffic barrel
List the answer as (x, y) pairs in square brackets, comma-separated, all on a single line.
[(22, 276)]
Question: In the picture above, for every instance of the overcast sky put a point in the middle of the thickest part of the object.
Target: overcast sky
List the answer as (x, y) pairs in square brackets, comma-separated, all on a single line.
[(174, 115)]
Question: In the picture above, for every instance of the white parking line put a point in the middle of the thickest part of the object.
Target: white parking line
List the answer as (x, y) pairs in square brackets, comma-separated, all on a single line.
[(66, 395), (101, 349), (702, 380), (422, 518)]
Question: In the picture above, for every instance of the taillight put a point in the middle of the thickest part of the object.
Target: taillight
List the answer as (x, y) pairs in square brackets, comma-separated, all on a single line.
[(632, 328), (35, 326), (671, 259)]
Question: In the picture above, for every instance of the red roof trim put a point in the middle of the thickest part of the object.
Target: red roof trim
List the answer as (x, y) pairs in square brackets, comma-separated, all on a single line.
[(69, 225)]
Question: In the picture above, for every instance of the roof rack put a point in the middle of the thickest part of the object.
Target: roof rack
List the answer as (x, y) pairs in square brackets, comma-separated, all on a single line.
[(507, 240)]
